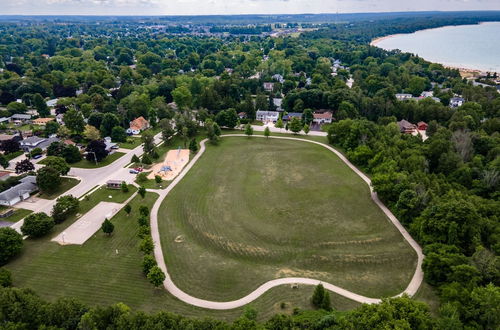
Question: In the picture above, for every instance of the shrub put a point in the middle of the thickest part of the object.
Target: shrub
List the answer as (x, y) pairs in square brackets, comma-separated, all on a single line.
[(124, 187), (143, 210), (148, 262), (146, 245), (142, 177), (135, 159), (156, 276), (143, 221), (144, 231), (5, 278), (11, 243), (36, 152), (146, 159), (37, 225)]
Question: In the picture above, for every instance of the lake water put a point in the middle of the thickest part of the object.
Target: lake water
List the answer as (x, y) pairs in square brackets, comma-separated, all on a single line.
[(467, 46)]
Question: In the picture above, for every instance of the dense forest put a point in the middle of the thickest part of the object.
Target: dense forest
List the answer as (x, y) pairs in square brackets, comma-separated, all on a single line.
[(445, 189)]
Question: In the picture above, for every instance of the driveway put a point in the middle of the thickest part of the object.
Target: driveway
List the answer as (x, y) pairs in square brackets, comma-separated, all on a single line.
[(89, 178)]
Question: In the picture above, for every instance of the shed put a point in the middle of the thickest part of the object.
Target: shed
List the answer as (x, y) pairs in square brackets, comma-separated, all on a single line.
[(114, 184)]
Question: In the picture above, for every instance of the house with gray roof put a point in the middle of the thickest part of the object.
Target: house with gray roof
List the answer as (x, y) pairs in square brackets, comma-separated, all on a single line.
[(266, 116), (20, 118), (19, 192), (33, 142)]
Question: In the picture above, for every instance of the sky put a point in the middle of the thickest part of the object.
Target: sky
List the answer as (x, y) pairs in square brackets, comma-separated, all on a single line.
[(209, 7)]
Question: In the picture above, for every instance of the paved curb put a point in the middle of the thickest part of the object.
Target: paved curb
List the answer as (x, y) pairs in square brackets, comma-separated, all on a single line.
[(170, 286)]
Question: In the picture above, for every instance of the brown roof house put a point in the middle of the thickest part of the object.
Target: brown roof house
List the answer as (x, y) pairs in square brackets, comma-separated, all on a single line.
[(42, 121), (137, 126), (321, 118), (406, 127)]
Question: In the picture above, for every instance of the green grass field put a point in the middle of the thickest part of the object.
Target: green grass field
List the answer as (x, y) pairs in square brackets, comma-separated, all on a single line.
[(132, 143), (108, 160), (96, 275), (252, 210), (17, 215), (66, 184)]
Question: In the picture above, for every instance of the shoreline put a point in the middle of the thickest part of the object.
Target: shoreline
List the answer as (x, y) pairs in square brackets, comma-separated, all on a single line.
[(465, 70)]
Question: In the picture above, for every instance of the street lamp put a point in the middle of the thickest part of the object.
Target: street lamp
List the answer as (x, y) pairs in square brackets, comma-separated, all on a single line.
[(95, 157)]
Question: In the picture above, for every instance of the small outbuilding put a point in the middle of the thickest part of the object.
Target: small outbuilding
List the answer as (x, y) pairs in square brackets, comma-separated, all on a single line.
[(114, 184)]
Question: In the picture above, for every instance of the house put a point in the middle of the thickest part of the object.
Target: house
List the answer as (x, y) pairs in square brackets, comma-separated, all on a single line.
[(114, 184), (268, 86), (69, 142), (110, 146), (33, 142), (8, 137), (427, 94), (242, 115), (279, 78), (19, 192), (404, 97), (277, 103), (267, 116), (19, 119), (4, 175), (290, 115), (60, 119), (321, 118), (42, 121), (422, 126), (456, 102), (406, 127), (4, 120), (52, 103), (138, 125)]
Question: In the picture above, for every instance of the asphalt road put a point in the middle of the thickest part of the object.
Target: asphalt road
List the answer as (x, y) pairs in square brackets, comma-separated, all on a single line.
[(89, 178)]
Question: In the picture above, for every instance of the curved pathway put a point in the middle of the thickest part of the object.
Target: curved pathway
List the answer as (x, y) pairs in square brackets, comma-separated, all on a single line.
[(410, 290)]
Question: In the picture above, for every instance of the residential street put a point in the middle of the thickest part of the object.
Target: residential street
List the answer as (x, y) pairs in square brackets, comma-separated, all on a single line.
[(89, 178), (282, 130)]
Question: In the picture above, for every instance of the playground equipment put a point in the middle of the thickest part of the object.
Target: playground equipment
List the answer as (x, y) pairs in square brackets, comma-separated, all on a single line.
[(173, 163)]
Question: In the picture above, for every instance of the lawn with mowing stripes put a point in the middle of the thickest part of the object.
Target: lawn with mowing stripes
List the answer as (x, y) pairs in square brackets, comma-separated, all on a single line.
[(254, 209), (96, 275)]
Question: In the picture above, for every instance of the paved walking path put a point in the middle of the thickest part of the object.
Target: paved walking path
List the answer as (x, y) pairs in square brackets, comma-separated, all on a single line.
[(411, 289)]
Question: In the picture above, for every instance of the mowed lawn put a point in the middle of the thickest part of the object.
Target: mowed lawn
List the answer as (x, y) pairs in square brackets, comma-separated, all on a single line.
[(96, 275), (255, 209), (84, 163)]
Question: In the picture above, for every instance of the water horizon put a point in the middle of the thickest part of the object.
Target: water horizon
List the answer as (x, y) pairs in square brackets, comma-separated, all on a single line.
[(473, 47)]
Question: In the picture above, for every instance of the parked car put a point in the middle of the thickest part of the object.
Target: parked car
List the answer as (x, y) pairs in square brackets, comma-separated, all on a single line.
[(133, 171), (139, 169), (37, 156)]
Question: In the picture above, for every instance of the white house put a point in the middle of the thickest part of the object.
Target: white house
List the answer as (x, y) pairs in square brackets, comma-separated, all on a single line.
[(404, 97), (19, 192), (267, 116), (277, 103), (456, 102), (321, 118)]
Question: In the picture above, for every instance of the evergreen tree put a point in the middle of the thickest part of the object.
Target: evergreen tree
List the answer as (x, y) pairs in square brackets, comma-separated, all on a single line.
[(107, 227)]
